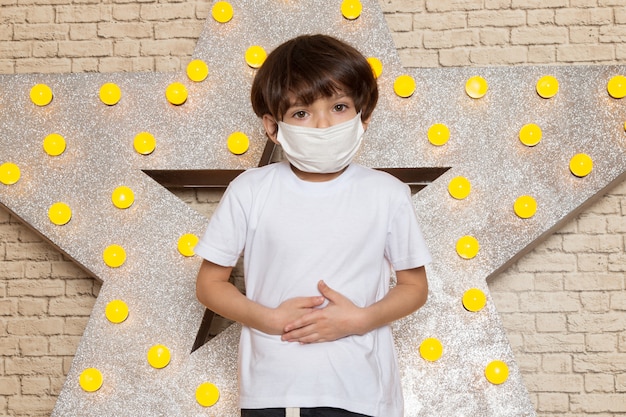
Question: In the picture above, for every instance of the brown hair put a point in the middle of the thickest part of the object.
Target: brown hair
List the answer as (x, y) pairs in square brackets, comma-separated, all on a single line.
[(310, 67)]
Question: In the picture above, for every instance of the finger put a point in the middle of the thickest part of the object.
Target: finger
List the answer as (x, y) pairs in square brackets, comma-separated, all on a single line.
[(310, 302), (326, 291)]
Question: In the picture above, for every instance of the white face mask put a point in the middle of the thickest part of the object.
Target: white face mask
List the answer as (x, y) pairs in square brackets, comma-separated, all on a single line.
[(321, 150)]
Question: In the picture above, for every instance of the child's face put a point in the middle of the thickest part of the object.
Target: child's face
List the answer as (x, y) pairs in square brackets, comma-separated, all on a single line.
[(323, 112)]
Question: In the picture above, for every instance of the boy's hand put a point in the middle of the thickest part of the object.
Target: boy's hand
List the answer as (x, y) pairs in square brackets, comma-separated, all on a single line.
[(291, 310), (340, 318)]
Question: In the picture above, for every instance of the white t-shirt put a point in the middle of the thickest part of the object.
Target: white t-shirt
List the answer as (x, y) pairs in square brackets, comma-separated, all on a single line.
[(350, 232)]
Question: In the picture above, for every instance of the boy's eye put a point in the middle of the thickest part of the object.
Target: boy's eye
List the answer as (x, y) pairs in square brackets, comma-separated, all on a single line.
[(340, 107), (299, 114)]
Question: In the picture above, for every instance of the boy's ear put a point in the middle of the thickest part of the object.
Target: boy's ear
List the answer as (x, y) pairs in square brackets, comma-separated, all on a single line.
[(271, 127), (366, 122)]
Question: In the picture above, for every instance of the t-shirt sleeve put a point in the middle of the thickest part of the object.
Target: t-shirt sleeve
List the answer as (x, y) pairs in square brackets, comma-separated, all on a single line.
[(225, 236), (406, 247)]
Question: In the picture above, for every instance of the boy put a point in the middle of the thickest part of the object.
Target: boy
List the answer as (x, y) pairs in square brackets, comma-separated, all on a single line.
[(320, 236)]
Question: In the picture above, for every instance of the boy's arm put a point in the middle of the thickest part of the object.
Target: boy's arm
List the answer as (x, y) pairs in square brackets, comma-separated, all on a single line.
[(342, 318), (219, 295)]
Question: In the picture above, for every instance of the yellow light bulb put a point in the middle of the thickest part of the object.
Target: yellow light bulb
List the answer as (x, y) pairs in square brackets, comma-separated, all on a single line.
[(54, 144), (238, 143), (530, 134), (90, 379), (474, 299), (497, 372), (207, 394), (525, 206), (41, 95), (431, 349), (116, 311), (404, 86), (9, 173), (197, 70), (158, 356), (123, 197), (616, 86), (176, 93), (114, 256), (255, 56), (581, 165), (377, 66), (467, 247), (60, 213), (351, 9), (547, 86), (187, 243), (476, 87), (222, 11), (459, 187), (144, 143), (438, 134), (110, 94)]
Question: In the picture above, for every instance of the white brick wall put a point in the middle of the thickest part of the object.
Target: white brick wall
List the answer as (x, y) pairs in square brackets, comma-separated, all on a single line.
[(563, 304)]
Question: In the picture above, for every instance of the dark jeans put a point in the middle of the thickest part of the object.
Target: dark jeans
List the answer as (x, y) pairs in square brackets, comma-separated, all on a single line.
[(304, 412)]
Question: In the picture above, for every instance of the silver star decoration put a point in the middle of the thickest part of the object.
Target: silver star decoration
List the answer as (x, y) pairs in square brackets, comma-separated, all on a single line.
[(158, 283)]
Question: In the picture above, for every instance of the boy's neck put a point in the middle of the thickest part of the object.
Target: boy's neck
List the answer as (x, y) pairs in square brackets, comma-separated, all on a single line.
[(316, 177)]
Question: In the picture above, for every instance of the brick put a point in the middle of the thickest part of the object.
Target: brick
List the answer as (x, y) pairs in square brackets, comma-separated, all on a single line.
[(175, 47), (418, 58), (584, 35), (400, 22), (44, 49), (54, 66), (618, 301), (596, 302), (548, 282), (606, 342), (8, 307), (507, 302), (439, 21), (553, 402), (79, 287), (36, 288), (497, 4), (406, 6), (599, 383), (519, 322), (9, 385), (617, 262), (84, 65), (33, 366), (455, 57), (538, 4), (555, 383), (31, 405), (40, 14), (549, 302), (554, 343), (600, 362), (32, 306), (77, 49), (125, 12), (540, 17), (14, 50), (579, 16), (83, 32), (126, 49), (64, 345), (123, 30), (8, 347), (450, 38), (592, 282), (75, 326), (81, 14), (178, 29), (556, 363), (41, 326), (75, 306), (547, 262), (593, 262), (35, 385), (452, 5), (500, 18), (404, 40), (551, 322), (512, 281), (167, 11), (597, 403), (494, 36), (607, 322), (33, 346), (584, 53), (620, 382), (540, 35)]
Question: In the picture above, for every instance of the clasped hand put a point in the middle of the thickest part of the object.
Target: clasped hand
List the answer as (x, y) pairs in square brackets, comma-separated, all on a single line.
[(307, 323)]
